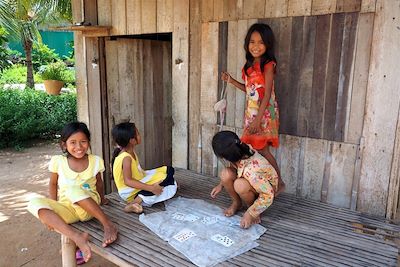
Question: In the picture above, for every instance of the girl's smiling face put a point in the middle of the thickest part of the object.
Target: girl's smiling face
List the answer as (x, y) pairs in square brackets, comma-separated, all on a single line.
[(256, 45), (77, 145)]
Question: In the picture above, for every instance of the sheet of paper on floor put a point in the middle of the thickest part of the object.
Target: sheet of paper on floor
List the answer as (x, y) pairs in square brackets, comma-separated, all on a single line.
[(201, 232)]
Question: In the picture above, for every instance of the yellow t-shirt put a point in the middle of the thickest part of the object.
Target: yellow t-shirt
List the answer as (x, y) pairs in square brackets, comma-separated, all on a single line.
[(147, 177), (68, 178)]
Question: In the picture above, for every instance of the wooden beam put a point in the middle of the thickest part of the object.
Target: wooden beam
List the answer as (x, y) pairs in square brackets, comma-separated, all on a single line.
[(321, 7), (180, 81), (275, 9), (299, 7), (68, 250), (165, 15), (381, 112), (87, 31), (133, 16), (253, 9), (209, 91), (394, 182), (207, 10), (348, 5), (119, 14), (104, 12), (149, 16), (80, 65), (194, 85), (359, 79), (368, 6)]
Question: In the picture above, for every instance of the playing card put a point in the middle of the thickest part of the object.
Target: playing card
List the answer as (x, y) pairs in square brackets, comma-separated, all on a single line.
[(191, 218), (223, 240), (178, 216), (235, 223), (209, 220), (184, 235)]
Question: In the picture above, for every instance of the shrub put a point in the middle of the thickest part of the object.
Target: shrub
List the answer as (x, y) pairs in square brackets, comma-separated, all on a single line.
[(43, 55), (15, 74), (29, 114), (54, 71), (4, 51)]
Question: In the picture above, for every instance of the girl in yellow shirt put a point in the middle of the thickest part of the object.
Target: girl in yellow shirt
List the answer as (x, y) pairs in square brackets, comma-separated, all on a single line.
[(137, 186), (75, 189)]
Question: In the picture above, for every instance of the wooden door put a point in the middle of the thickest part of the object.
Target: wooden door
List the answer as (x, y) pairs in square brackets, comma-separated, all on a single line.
[(139, 89)]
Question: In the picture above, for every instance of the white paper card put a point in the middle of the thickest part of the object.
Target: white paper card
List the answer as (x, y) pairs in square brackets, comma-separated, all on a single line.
[(191, 218), (184, 235), (178, 216), (223, 240), (209, 220)]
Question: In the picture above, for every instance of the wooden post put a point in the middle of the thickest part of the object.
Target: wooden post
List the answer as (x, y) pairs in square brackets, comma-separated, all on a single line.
[(68, 249)]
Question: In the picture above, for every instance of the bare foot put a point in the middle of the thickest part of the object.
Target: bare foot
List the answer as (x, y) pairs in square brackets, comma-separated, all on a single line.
[(281, 187), (248, 220), (82, 241), (133, 207), (110, 234), (233, 208)]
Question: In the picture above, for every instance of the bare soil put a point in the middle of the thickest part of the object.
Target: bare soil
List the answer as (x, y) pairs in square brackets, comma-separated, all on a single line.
[(24, 240)]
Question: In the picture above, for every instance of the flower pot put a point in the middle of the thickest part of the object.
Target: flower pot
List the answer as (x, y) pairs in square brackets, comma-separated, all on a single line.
[(53, 87)]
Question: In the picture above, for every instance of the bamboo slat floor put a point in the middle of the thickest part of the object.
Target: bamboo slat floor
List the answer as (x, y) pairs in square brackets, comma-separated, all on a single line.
[(299, 233)]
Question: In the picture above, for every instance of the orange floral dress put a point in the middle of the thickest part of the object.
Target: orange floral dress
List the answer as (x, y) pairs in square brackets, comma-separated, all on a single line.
[(255, 90), (263, 178)]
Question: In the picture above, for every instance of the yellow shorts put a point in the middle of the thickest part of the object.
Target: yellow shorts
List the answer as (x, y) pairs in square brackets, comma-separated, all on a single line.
[(65, 208)]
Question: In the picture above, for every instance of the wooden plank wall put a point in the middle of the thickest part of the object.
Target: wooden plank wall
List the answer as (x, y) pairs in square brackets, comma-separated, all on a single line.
[(139, 90), (325, 46), (377, 182), (319, 153), (317, 51)]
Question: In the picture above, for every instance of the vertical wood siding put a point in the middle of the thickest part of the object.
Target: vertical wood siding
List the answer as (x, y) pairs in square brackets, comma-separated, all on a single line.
[(314, 74), (139, 90), (314, 85), (323, 48)]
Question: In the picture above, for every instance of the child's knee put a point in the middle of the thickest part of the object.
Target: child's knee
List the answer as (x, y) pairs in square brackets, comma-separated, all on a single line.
[(227, 175), (36, 204), (242, 186)]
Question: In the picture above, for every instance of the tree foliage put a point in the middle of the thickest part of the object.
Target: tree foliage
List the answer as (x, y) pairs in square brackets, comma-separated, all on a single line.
[(22, 19)]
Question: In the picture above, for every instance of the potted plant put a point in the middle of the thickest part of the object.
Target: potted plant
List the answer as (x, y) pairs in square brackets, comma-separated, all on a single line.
[(53, 76)]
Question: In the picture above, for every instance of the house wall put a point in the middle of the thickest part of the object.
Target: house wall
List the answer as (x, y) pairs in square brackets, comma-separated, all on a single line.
[(338, 131)]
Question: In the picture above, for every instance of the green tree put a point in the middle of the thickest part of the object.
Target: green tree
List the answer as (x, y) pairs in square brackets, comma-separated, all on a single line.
[(23, 18)]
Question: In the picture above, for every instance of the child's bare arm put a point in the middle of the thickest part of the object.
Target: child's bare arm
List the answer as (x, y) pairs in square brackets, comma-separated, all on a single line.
[(53, 187), (216, 190), (129, 181), (100, 189), (264, 200), (269, 77), (225, 76)]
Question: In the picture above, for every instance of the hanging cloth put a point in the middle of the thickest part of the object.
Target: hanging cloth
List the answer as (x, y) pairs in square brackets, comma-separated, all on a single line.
[(220, 106)]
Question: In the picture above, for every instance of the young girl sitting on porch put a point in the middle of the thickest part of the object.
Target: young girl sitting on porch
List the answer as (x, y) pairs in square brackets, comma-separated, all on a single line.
[(248, 176), (135, 185), (76, 179)]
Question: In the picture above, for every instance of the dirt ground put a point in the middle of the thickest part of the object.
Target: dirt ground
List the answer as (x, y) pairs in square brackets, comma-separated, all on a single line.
[(24, 240)]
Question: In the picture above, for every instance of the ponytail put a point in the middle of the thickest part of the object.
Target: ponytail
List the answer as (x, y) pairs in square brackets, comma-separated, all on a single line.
[(227, 145), (116, 151), (122, 133)]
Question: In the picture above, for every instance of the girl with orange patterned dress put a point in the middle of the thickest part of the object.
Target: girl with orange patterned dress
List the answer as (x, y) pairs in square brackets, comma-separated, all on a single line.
[(261, 119)]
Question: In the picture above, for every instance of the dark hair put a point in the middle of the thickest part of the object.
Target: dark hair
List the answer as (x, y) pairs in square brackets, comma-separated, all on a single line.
[(268, 38), (70, 129), (227, 145), (122, 133)]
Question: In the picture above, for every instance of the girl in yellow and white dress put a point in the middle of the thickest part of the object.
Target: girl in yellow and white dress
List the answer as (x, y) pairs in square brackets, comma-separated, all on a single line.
[(75, 190), (135, 185)]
